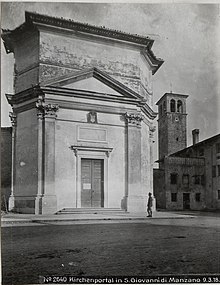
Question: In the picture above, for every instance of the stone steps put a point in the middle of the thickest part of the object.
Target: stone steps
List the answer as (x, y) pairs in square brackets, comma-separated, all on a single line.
[(91, 211)]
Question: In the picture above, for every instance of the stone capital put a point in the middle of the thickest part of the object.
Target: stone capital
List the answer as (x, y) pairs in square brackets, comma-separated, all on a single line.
[(133, 119), (152, 129), (46, 110), (13, 118)]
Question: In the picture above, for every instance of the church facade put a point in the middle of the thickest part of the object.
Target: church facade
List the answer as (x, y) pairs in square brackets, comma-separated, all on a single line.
[(82, 119)]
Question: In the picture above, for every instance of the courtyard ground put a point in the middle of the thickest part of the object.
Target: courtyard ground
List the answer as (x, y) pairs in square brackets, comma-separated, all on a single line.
[(110, 248)]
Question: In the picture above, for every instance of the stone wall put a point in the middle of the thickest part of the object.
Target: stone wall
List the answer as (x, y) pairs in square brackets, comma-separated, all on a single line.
[(184, 166), (159, 188), (6, 161), (172, 133), (212, 183)]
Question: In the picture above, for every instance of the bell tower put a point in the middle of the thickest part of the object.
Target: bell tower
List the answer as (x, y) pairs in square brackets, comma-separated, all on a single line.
[(171, 123)]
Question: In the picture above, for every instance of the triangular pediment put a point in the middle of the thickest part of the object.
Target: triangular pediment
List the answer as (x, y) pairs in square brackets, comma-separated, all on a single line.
[(94, 80), (92, 84)]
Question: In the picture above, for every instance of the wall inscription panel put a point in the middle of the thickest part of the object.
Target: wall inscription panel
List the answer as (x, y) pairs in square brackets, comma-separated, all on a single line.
[(92, 134)]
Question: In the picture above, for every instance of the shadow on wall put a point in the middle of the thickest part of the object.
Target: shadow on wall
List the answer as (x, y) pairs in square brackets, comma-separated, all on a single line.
[(6, 158), (5, 193)]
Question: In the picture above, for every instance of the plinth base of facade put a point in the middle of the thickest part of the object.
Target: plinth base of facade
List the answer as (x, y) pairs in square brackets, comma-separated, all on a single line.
[(33, 205), (11, 203), (24, 205), (48, 205)]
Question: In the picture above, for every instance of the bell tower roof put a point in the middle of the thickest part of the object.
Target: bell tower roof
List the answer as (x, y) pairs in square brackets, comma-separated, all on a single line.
[(173, 95)]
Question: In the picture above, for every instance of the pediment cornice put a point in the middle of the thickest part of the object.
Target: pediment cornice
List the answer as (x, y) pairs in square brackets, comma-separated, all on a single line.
[(97, 74), (37, 92)]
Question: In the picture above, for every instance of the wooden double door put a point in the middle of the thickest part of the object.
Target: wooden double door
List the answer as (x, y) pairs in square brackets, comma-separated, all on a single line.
[(92, 183)]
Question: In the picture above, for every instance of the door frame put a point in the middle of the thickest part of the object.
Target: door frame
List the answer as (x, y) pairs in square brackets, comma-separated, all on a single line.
[(184, 200), (101, 177), (91, 153)]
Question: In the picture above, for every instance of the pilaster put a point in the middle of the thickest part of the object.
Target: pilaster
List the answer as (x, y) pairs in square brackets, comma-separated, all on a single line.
[(46, 198), (152, 129), (13, 118), (135, 197)]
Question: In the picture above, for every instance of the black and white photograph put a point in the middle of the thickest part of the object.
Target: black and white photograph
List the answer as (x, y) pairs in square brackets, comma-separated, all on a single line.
[(110, 143)]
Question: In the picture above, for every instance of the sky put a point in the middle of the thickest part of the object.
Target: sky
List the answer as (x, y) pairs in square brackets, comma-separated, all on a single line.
[(187, 38)]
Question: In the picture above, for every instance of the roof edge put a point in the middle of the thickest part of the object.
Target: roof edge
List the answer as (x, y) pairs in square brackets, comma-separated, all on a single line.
[(171, 94), (32, 18), (87, 28)]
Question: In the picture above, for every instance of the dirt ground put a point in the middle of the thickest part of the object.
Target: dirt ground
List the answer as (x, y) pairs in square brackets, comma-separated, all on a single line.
[(113, 249)]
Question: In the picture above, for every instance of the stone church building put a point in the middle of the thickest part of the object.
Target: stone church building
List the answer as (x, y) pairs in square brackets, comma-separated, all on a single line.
[(82, 116)]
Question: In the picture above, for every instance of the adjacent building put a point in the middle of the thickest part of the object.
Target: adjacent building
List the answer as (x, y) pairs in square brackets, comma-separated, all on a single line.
[(188, 177), (82, 119)]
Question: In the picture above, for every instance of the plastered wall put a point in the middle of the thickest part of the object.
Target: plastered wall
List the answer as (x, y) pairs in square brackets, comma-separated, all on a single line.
[(67, 134), (26, 153), (182, 166), (26, 55)]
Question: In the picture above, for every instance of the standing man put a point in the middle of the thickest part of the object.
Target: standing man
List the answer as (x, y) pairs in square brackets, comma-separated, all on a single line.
[(149, 205)]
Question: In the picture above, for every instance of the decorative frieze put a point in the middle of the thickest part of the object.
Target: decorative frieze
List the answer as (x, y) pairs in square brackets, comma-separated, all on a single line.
[(134, 118), (13, 118), (46, 110)]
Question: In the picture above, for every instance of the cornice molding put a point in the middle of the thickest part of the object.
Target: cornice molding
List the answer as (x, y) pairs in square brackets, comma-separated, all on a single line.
[(148, 112), (77, 148), (89, 95), (32, 20), (42, 92), (28, 94), (99, 75), (86, 28), (153, 61)]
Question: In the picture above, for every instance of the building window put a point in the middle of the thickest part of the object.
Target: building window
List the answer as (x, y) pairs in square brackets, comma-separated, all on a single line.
[(173, 197), (179, 106), (185, 179), (198, 196), (218, 170), (201, 152), (173, 178), (213, 171), (196, 179), (218, 194), (172, 105), (218, 147)]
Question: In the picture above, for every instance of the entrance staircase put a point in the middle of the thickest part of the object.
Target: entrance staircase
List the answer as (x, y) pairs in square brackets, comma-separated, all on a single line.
[(91, 211)]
